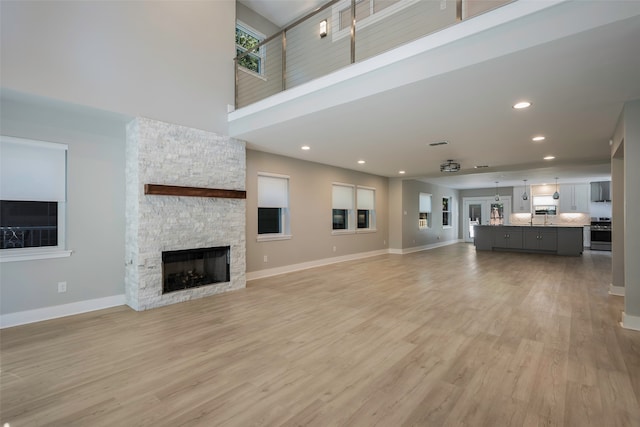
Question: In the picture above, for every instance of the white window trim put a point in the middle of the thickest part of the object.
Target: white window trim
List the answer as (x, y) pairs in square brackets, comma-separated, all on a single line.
[(338, 34), (372, 212), (450, 211), (32, 254), (262, 51), (351, 213), (272, 237), (285, 213), (42, 252), (429, 214)]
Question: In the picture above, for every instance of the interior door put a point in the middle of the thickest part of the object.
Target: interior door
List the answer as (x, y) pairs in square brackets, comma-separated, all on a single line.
[(478, 211), (474, 215)]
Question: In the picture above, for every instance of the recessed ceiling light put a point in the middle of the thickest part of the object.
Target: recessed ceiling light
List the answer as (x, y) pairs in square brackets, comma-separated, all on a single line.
[(549, 157), (305, 148), (522, 104), (538, 138), (362, 162), (401, 172)]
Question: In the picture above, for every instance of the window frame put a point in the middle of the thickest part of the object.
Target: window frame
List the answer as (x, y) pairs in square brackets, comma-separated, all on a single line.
[(429, 216), (351, 216), (448, 212), (285, 214), (43, 252), (261, 53), (371, 212), (372, 18)]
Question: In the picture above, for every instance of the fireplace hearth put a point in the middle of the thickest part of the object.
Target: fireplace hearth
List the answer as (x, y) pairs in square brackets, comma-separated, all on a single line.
[(192, 268)]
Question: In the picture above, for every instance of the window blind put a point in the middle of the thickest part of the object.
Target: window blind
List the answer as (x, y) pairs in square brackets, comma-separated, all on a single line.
[(342, 197), (32, 170), (273, 192), (366, 199), (425, 202)]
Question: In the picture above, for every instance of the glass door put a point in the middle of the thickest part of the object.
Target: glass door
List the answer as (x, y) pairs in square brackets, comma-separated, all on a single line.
[(474, 217), (484, 211)]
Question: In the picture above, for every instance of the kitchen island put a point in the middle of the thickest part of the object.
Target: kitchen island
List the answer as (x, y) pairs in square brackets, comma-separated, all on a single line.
[(548, 239)]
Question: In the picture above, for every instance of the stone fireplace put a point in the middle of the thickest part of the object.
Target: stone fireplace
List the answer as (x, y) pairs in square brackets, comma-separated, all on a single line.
[(156, 224)]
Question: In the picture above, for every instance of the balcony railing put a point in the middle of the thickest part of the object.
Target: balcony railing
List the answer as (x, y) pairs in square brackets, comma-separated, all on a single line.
[(355, 30)]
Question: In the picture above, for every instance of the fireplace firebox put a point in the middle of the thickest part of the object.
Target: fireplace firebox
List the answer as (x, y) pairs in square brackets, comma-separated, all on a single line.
[(192, 268)]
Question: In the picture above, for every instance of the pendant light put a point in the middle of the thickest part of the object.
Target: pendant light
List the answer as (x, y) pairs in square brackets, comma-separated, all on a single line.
[(556, 195), (497, 195), (525, 196)]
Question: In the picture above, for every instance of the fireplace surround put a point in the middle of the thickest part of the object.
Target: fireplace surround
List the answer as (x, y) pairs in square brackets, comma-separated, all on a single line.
[(170, 155)]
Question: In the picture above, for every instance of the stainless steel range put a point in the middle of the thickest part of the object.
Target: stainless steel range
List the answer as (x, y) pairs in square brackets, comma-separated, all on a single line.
[(600, 234)]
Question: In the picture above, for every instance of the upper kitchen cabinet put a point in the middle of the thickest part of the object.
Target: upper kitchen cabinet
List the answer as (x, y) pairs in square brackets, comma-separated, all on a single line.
[(574, 198), (519, 205), (601, 191)]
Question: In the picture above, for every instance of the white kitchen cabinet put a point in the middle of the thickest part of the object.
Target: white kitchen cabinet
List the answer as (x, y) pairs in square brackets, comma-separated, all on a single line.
[(519, 205), (574, 198)]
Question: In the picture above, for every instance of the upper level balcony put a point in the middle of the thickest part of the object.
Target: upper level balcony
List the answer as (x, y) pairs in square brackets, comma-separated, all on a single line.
[(338, 34)]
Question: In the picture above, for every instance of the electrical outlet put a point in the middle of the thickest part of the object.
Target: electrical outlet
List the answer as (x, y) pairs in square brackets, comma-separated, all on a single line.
[(334, 249), (266, 259), (62, 287), (443, 4), (384, 242)]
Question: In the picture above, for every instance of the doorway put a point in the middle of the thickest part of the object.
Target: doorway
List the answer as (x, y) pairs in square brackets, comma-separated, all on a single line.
[(484, 211)]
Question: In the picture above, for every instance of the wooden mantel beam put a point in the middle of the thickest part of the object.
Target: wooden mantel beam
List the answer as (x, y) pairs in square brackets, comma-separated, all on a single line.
[(175, 190)]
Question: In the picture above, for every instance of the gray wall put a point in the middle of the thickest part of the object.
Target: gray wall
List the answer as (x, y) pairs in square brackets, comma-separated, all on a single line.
[(252, 88), (395, 213), (310, 194), (168, 60), (631, 208), (412, 236), (95, 205), (256, 21)]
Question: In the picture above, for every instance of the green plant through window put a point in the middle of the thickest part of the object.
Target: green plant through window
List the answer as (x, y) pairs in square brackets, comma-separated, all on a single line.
[(247, 41)]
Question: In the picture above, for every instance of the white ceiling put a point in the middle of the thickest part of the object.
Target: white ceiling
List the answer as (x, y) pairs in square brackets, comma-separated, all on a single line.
[(577, 75)]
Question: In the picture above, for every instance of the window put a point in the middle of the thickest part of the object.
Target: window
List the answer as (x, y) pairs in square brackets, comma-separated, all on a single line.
[(246, 40), (446, 212), (424, 219), (343, 206), (367, 12), (366, 208), (273, 207), (33, 182)]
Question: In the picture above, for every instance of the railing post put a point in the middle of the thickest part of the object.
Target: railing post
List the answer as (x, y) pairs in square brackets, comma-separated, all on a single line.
[(284, 60), (353, 31), (235, 91)]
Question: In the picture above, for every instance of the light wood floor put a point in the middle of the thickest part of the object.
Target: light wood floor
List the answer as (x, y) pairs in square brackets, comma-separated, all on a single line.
[(442, 337)]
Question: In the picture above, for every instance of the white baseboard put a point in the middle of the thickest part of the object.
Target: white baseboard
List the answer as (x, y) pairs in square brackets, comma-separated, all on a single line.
[(327, 261), (630, 322), (311, 264), (29, 316), (427, 247), (616, 290)]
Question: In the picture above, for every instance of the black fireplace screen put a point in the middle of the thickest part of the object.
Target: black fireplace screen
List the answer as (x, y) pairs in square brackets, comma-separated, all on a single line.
[(192, 268)]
